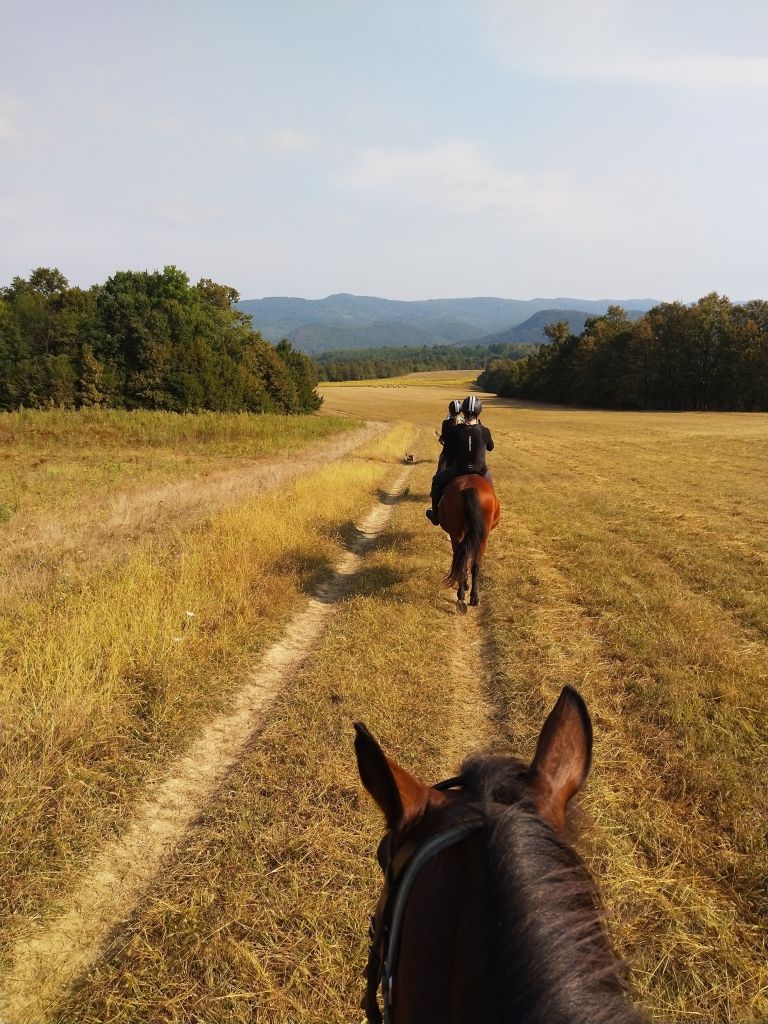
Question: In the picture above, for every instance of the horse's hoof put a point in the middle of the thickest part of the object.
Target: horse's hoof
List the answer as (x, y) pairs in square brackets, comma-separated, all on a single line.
[(474, 601), (461, 607)]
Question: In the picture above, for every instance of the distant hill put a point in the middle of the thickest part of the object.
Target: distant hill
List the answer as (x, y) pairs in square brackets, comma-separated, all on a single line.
[(315, 338), (531, 331), (360, 321)]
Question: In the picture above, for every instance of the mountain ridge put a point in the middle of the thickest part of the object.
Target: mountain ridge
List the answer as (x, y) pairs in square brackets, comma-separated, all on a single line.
[(347, 321)]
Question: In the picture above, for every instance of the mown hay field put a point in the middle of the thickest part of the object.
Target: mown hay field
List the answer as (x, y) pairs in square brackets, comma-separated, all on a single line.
[(631, 561)]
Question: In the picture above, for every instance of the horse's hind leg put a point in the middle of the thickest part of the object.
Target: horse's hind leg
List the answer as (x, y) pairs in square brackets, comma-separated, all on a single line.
[(474, 595), (461, 593)]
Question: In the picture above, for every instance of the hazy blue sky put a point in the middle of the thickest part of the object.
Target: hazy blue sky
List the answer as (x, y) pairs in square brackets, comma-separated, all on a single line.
[(407, 149)]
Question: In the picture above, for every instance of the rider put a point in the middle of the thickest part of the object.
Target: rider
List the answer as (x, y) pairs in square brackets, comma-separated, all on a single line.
[(454, 417), (464, 452)]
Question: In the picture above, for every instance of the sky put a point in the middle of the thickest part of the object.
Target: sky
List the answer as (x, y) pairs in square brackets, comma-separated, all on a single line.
[(411, 150)]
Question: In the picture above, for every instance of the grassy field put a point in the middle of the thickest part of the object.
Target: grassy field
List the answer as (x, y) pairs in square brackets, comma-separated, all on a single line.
[(460, 379), (631, 561)]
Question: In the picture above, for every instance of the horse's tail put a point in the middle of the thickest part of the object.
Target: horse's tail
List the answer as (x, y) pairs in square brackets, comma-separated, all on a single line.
[(470, 547)]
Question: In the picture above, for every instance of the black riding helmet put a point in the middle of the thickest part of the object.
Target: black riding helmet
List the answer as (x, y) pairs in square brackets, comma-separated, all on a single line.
[(454, 407), (471, 406)]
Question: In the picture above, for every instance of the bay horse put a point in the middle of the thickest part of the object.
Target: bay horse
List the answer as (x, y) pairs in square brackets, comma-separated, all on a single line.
[(487, 915), (468, 511)]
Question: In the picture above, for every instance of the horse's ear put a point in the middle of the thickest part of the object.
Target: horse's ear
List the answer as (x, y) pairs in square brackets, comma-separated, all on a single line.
[(399, 794), (563, 756)]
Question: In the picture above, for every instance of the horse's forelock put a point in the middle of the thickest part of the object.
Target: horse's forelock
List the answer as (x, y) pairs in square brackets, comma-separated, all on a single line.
[(496, 779)]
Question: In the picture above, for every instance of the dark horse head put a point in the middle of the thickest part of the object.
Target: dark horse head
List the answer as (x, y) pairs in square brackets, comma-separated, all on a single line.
[(487, 914)]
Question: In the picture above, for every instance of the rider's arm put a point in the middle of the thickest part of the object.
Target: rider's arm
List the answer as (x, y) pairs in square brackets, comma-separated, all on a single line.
[(488, 439)]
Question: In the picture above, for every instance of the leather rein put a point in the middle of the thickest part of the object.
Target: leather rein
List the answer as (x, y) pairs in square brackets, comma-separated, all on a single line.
[(386, 923)]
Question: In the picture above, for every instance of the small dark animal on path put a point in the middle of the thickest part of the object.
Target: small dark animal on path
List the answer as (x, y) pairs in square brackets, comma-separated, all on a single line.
[(487, 915)]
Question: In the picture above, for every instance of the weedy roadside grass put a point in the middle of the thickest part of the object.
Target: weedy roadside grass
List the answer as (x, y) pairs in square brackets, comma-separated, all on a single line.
[(228, 433), (101, 689), (60, 459)]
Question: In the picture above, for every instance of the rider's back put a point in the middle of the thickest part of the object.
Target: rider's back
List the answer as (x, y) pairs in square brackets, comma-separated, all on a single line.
[(466, 445)]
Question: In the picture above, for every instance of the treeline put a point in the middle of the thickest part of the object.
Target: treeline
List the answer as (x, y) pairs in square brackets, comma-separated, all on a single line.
[(393, 361), (142, 340), (710, 355)]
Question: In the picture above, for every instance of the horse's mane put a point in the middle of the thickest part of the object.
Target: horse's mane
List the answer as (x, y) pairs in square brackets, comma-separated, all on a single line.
[(556, 961)]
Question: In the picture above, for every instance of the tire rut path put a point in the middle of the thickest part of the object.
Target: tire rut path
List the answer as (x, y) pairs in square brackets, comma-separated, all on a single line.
[(471, 708), (45, 964)]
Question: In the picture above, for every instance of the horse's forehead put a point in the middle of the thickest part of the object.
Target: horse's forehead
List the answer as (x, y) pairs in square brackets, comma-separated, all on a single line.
[(496, 777)]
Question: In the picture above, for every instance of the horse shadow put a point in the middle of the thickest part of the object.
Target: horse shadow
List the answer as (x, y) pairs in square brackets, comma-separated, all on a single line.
[(386, 498), (375, 581), (355, 539), (417, 497), (314, 571), (393, 540), (368, 581)]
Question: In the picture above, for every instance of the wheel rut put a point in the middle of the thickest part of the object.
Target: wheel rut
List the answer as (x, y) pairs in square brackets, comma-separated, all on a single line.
[(471, 709), (45, 963)]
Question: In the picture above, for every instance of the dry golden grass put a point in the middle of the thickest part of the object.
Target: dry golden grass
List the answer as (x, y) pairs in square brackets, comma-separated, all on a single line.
[(60, 459), (79, 490), (631, 561), (101, 688)]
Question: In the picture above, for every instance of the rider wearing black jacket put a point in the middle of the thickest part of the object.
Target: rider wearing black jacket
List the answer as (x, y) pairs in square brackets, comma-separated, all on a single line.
[(453, 417), (464, 451)]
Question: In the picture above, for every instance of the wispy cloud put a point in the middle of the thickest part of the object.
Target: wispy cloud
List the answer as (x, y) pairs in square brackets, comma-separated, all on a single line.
[(21, 134), (647, 41), (289, 142), (457, 177), (707, 73), (11, 118), (168, 125), (12, 209), (177, 211)]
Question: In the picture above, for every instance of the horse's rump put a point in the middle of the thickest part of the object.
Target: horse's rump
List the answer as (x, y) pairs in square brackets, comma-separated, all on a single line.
[(468, 511)]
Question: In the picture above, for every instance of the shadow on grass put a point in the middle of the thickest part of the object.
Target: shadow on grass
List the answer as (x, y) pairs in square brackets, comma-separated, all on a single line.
[(417, 497), (374, 581), (391, 499), (314, 571), (394, 540), (355, 539)]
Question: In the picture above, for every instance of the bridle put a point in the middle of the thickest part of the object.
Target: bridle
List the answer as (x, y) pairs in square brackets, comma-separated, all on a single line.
[(386, 923)]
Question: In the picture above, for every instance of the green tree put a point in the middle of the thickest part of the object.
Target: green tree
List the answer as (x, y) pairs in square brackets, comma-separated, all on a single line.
[(90, 391)]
